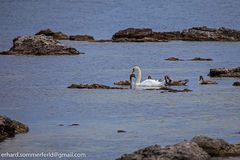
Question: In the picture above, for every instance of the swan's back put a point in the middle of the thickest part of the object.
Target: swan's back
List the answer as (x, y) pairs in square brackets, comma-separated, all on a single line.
[(151, 83)]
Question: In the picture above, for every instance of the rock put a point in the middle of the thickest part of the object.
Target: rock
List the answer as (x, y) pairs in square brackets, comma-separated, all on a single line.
[(9, 128), (121, 131), (173, 59), (225, 72), (217, 147), (170, 89), (201, 59), (39, 45), (92, 86), (143, 35), (210, 34), (74, 124), (192, 34), (123, 83), (55, 35), (186, 150), (81, 38), (236, 84)]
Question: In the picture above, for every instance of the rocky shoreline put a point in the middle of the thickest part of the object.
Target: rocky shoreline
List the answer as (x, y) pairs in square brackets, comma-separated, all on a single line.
[(199, 148), (9, 128), (225, 72)]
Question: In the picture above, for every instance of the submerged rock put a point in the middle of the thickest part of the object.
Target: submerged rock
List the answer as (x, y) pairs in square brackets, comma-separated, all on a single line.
[(217, 147), (186, 150), (201, 59), (236, 84), (55, 35), (9, 128), (210, 34), (121, 131), (39, 45), (92, 86), (81, 38), (173, 59), (225, 72), (123, 83)]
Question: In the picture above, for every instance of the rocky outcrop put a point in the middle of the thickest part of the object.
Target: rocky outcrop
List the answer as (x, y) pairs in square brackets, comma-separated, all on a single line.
[(217, 147), (201, 59), (192, 34), (55, 35), (199, 148), (210, 34), (236, 84), (173, 59), (92, 86), (81, 38), (225, 72), (123, 83), (182, 151), (143, 35), (9, 128), (39, 45)]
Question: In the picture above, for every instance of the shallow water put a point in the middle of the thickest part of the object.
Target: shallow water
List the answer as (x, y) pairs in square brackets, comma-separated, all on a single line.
[(34, 89)]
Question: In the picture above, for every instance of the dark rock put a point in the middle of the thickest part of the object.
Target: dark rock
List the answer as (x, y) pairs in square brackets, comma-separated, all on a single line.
[(210, 34), (74, 124), (225, 72), (236, 84), (81, 38), (201, 59), (217, 147), (123, 83), (186, 150), (55, 35), (193, 34), (170, 89), (39, 45), (143, 35), (9, 128), (173, 59), (92, 86), (121, 131)]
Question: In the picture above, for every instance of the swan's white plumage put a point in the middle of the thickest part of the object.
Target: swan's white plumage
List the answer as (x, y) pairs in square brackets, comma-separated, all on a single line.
[(147, 82)]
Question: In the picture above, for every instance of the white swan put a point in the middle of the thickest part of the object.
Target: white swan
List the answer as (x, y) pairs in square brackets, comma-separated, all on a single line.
[(147, 82)]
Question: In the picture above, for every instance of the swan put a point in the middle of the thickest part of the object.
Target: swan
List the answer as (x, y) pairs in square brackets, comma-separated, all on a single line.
[(147, 82), (202, 81)]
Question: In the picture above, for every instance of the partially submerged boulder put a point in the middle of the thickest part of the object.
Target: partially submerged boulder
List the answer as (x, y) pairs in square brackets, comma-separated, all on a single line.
[(39, 45), (225, 72), (201, 59), (217, 147), (236, 84), (210, 34), (9, 128), (123, 83), (173, 59), (81, 38), (182, 151), (143, 35), (199, 148), (55, 35), (92, 86)]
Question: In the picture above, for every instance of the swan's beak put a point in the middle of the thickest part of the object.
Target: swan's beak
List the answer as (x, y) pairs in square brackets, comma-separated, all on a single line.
[(133, 70)]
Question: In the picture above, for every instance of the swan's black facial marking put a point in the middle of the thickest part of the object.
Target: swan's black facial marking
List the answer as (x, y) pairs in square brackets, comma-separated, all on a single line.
[(133, 70)]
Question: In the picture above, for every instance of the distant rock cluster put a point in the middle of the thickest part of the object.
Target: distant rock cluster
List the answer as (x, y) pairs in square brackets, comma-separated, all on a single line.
[(192, 34)]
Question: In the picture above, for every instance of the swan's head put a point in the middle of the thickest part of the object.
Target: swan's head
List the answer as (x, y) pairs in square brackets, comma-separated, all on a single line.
[(135, 68), (200, 78)]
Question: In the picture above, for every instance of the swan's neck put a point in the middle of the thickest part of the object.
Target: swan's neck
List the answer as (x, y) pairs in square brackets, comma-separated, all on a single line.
[(139, 76)]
